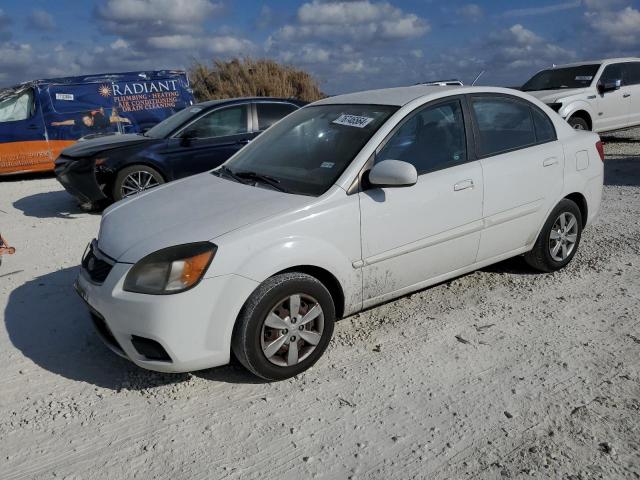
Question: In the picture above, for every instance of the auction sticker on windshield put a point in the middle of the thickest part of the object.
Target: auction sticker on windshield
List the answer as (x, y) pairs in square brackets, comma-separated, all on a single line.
[(353, 120)]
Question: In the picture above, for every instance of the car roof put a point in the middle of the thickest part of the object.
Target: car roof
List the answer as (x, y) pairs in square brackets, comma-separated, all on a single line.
[(400, 96), (389, 96), (240, 100), (604, 60)]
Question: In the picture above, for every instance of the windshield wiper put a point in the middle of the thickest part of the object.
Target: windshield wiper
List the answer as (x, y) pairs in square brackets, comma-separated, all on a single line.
[(269, 180), (229, 173)]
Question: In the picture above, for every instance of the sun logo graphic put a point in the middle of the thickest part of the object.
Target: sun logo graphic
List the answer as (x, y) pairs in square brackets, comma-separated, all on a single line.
[(105, 90)]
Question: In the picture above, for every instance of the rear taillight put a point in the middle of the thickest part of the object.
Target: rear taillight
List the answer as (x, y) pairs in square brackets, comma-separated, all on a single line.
[(600, 149)]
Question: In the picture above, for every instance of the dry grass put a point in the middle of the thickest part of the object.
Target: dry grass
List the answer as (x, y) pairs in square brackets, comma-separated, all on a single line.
[(252, 78)]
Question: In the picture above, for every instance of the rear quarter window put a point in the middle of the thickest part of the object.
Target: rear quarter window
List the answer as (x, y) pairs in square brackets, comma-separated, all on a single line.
[(270, 113)]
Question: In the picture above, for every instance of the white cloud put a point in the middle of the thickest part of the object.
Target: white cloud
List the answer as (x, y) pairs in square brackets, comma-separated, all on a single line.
[(471, 11), (621, 27), (41, 20), (360, 20), (158, 11), (340, 13), (355, 66), (544, 10), (214, 44)]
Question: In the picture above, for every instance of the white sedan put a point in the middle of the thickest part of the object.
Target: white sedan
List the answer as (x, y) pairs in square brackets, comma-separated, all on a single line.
[(344, 204)]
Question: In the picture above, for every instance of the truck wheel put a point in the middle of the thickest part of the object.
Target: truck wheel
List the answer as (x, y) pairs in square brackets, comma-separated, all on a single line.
[(134, 180), (284, 327), (578, 123)]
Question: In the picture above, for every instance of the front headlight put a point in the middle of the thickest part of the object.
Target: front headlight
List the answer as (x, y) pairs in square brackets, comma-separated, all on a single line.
[(171, 270), (555, 106)]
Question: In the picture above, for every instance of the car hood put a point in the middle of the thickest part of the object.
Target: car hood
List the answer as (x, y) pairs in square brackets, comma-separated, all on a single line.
[(87, 148), (198, 208), (551, 96)]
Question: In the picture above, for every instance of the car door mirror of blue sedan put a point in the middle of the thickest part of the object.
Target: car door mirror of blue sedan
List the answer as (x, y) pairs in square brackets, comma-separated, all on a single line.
[(393, 173)]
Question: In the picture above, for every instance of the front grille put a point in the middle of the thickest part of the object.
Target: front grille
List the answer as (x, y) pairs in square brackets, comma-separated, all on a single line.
[(97, 268)]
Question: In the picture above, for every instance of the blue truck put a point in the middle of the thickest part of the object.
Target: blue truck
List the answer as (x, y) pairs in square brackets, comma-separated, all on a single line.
[(38, 119)]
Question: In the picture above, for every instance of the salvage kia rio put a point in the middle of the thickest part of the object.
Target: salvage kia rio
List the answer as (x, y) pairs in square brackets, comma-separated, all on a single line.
[(344, 204)]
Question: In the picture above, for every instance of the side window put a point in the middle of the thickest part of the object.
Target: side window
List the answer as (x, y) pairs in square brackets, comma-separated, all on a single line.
[(431, 139), (612, 73), (632, 73), (17, 107), (219, 123), (545, 131), (503, 124), (270, 113)]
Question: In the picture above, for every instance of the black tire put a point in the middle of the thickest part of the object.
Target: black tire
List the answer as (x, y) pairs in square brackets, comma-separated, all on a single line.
[(248, 331), (540, 257), (578, 123), (117, 188)]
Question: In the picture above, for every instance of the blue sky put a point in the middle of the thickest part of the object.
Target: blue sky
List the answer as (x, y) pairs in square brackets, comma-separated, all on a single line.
[(346, 45)]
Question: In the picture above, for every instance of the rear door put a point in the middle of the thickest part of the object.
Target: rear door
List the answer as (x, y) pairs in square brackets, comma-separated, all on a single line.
[(522, 164), (209, 140)]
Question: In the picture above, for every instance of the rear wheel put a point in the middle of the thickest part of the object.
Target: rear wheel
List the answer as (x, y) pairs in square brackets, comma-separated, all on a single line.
[(578, 123), (284, 327), (559, 239), (134, 180)]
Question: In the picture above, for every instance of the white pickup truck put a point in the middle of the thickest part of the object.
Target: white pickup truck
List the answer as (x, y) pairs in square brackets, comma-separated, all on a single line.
[(600, 96)]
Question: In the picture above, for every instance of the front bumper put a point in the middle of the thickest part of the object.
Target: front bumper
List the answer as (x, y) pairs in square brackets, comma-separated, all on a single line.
[(78, 177), (193, 328)]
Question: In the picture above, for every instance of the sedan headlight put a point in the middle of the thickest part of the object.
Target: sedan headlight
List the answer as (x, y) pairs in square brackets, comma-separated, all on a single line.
[(171, 270)]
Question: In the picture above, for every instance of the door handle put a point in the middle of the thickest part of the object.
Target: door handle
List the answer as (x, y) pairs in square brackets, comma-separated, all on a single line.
[(33, 127), (243, 142), (550, 161), (626, 95), (463, 185)]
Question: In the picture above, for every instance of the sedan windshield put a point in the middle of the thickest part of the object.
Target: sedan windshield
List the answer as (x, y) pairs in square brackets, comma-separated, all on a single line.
[(175, 121), (308, 150), (558, 78)]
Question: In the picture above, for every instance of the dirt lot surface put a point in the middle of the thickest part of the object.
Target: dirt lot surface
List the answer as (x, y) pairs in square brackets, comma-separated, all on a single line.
[(502, 373)]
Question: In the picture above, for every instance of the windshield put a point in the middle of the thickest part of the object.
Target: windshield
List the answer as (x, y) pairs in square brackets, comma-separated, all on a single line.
[(168, 125), (557, 78), (308, 150)]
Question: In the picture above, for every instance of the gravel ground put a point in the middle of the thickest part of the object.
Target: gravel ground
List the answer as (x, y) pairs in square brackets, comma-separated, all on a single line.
[(502, 373)]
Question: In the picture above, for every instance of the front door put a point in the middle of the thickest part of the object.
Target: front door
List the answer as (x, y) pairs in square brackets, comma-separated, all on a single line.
[(23, 142), (614, 105), (411, 235), (209, 141)]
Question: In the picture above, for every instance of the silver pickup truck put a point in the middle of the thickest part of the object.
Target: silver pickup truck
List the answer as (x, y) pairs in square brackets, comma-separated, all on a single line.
[(600, 96)]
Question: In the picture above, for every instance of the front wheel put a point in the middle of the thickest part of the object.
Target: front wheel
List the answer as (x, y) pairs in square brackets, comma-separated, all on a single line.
[(578, 123), (559, 239), (134, 180), (284, 327)]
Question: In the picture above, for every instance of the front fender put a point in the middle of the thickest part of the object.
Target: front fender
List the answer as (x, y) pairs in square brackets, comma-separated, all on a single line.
[(568, 110), (301, 251)]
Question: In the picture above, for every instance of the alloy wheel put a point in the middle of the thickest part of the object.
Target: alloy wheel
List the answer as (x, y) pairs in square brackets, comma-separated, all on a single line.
[(137, 182), (563, 236), (292, 330)]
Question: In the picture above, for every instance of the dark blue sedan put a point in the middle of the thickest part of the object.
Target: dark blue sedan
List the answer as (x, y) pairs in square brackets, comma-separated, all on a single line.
[(194, 140)]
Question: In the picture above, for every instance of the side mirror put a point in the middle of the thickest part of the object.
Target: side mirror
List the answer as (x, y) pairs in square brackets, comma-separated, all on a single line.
[(186, 137), (393, 173), (604, 87)]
